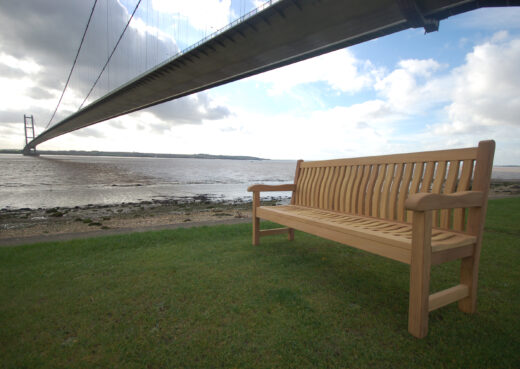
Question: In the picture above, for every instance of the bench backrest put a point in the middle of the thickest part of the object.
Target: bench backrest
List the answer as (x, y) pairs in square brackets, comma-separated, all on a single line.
[(378, 186)]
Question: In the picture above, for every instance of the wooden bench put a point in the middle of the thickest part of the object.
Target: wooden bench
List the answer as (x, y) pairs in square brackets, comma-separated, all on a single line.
[(422, 209)]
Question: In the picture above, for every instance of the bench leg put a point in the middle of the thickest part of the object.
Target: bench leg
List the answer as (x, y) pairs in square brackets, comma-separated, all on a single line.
[(256, 231), (290, 235), (420, 274), (469, 277), (256, 220)]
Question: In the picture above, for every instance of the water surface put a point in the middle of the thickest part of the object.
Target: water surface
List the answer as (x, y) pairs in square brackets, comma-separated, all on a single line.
[(50, 181)]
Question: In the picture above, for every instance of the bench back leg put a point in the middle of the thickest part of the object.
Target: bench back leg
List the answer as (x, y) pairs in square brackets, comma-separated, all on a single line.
[(420, 274), (475, 226), (469, 277), (290, 235)]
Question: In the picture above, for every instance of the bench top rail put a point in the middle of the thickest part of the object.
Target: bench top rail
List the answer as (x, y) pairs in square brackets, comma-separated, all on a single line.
[(378, 186), (425, 156)]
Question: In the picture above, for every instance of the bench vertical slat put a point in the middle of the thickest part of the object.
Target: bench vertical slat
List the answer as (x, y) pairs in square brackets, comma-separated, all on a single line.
[(386, 191), (337, 190), (329, 194), (360, 208), (403, 191), (322, 190), (308, 178), (343, 189), (297, 176), (392, 202), (350, 187), (321, 186), (355, 189), (377, 190), (302, 190), (438, 182), (449, 187), (328, 186), (464, 184), (312, 186), (428, 177), (315, 198), (416, 182), (370, 189), (301, 186), (312, 174), (333, 188)]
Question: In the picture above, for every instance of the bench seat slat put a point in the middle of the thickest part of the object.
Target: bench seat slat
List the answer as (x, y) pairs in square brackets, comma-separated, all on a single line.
[(388, 238)]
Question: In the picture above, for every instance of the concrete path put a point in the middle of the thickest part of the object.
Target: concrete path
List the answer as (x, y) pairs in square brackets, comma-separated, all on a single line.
[(18, 241)]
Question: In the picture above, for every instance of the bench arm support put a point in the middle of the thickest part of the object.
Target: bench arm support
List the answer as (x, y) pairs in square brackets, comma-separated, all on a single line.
[(256, 189), (263, 188), (434, 201)]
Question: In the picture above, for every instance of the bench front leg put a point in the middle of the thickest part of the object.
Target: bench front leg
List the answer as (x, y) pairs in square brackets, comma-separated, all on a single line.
[(420, 267), (256, 189), (256, 220)]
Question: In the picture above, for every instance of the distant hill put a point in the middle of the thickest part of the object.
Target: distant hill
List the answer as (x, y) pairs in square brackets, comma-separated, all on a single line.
[(135, 154)]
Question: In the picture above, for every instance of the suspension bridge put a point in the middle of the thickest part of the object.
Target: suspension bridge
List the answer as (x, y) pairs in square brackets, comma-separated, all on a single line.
[(278, 33)]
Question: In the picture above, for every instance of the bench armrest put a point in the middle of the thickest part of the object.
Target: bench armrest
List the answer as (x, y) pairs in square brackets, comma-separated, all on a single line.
[(434, 201), (262, 187)]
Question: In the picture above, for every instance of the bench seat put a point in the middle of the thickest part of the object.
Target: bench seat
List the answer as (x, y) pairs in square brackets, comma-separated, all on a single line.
[(390, 239)]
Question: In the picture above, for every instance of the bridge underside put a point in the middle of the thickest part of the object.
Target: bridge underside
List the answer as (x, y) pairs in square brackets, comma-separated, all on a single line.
[(284, 33)]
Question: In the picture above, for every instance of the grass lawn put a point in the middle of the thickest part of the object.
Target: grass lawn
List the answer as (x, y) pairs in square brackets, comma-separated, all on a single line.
[(206, 298)]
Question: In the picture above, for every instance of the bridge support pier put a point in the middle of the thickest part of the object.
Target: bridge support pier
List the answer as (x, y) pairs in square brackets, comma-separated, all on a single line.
[(28, 122)]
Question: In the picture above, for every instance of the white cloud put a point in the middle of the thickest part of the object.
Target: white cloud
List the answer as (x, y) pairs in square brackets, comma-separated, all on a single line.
[(340, 70), (485, 95), (28, 66), (411, 87), (361, 129)]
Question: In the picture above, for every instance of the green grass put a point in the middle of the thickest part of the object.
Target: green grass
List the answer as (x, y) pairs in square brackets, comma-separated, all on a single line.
[(206, 298)]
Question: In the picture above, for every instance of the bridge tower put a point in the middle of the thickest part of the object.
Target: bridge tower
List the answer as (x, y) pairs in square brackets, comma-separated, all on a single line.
[(28, 122)]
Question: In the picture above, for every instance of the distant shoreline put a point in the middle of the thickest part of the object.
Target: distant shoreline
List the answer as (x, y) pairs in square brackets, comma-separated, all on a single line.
[(134, 154)]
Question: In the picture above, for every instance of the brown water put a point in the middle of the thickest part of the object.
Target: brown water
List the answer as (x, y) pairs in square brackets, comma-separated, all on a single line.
[(50, 181)]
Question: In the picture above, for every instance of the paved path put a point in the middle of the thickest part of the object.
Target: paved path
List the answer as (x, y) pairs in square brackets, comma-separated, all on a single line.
[(18, 241)]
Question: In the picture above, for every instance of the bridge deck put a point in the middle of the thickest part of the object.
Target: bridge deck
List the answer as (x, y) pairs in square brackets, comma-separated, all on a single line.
[(284, 33)]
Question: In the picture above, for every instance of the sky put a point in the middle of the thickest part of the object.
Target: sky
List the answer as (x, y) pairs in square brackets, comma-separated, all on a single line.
[(405, 92)]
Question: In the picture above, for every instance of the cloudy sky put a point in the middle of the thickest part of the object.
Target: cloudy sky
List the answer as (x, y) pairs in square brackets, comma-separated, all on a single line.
[(404, 92)]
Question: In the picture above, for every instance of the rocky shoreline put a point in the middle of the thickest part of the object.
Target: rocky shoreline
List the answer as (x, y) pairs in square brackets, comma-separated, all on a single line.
[(79, 219), (27, 222)]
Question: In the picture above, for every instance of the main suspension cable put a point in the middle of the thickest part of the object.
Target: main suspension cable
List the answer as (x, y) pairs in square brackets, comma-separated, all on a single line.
[(74, 63), (110, 57)]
